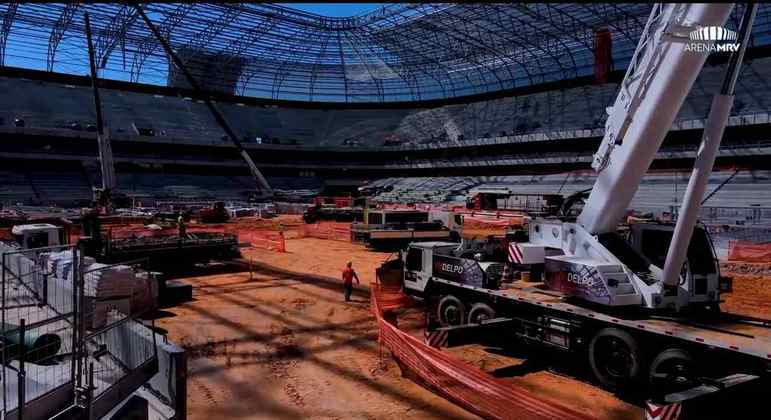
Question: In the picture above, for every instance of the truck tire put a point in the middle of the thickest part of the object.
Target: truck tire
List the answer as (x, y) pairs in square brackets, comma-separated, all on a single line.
[(672, 370), (480, 312), (615, 358), (451, 311)]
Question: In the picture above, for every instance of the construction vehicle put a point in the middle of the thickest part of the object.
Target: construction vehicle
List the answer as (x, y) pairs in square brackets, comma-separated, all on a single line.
[(394, 228), (165, 252), (640, 307), (37, 235), (330, 212), (336, 208), (216, 213), (498, 197), (162, 252)]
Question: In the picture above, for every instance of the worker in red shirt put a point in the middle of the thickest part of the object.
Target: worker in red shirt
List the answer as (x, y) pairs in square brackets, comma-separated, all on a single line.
[(348, 275)]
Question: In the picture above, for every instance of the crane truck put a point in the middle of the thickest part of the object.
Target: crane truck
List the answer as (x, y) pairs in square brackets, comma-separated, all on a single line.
[(640, 307)]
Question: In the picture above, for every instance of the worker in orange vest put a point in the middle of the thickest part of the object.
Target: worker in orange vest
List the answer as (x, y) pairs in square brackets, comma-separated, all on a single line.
[(348, 275)]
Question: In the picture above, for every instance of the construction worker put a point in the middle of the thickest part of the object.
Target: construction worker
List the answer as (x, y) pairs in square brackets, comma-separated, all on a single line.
[(181, 226), (348, 275)]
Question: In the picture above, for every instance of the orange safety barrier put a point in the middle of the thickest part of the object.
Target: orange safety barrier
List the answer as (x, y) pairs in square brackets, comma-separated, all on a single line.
[(264, 237), (327, 230), (272, 241), (484, 221), (749, 252), (456, 380), (413, 206)]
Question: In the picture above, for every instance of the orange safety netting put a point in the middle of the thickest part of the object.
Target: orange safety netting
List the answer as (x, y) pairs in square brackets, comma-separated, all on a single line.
[(272, 241), (485, 221), (414, 206), (327, 230), (260, 238), (456, 380), (749, 252)]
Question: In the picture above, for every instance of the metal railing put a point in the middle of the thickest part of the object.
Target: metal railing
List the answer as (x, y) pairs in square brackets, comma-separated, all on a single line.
[(38, 307), (64, 339)]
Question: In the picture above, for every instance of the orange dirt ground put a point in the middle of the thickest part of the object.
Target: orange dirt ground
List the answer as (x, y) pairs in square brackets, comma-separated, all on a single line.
[(272, 346), (277, 345), (280, 345)]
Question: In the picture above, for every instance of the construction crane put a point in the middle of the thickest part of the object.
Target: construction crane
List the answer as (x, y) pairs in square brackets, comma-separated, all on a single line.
[(641, 309), (103, 197), (262, 186), (648, 267)]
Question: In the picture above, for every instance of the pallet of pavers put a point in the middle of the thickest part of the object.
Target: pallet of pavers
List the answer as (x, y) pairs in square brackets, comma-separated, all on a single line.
[(110, 282)]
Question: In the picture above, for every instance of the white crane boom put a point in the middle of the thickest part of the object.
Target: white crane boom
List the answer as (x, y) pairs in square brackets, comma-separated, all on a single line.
[(657, 82), (705, 157), (654, 265)]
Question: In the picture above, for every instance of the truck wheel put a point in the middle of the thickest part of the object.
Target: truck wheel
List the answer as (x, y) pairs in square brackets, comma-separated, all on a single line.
[(672, 370), (480, 312), (451, 311), (615, 358)]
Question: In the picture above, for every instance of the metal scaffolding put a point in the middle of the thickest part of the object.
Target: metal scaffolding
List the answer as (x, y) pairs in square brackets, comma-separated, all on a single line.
[(399, 52)]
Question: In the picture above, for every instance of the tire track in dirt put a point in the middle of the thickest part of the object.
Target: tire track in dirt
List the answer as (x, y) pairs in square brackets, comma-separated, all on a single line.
[(284, 358), (206, 391)]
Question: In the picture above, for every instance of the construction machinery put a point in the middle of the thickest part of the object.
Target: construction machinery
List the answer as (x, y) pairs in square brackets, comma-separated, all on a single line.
[(262, 190), (394, 228), (603, 267), (216, 213), (107, 197), (336, 208), (163, 252), (495, 197), (641, 306)]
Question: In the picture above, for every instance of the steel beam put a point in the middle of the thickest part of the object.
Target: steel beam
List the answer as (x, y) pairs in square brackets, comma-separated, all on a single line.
[(262, 183), (57, 32), (5, 29), (114, 33)]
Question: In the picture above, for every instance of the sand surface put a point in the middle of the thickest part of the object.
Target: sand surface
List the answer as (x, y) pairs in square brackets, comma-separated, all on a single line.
[(272, 345)]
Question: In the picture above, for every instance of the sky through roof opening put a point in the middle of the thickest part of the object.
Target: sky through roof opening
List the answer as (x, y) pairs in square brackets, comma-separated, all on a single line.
[(340, 10)]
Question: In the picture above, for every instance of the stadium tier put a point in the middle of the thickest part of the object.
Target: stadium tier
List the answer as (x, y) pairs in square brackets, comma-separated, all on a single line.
[(318, 99), (553, 113), (659, 191)]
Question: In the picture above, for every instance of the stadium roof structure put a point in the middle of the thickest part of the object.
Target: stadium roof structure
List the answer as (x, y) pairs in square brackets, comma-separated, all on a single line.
[(397, 53)]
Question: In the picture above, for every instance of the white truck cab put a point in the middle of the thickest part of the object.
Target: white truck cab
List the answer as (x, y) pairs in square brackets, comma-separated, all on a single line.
[(426, 261), (36, 235)]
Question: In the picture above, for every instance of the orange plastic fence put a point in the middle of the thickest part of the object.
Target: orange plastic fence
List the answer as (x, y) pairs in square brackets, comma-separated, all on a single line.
[(415, 206), (270, 240), (327, 230), (485, 221), (456, 380), (264, 234), (749, 252)]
